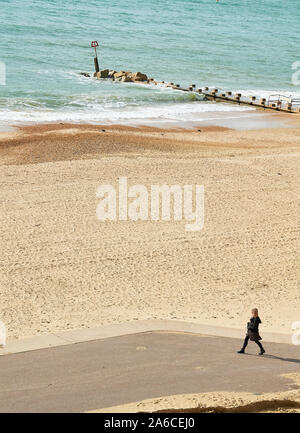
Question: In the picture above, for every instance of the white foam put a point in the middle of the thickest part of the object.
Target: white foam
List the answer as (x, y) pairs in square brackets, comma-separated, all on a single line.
[(266, 93), (118, 113), (132, 108)]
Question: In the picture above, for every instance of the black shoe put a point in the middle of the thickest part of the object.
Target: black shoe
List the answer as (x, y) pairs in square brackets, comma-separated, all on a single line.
[(262, 352), (241, 351)]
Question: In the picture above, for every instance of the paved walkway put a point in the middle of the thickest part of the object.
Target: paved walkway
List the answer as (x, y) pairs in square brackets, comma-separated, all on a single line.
[(119, 370), (127, 328)]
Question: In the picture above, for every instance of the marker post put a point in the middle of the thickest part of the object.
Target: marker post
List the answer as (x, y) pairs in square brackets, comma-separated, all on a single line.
[(94, 45)]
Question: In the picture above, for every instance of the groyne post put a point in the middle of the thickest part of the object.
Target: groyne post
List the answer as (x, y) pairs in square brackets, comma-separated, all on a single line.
[(94, 45)]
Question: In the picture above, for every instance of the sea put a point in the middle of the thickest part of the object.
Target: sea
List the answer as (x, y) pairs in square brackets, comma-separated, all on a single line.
[(250, 46)]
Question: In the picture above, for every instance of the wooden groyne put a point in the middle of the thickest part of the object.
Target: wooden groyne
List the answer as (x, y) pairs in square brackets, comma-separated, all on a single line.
[(275, 102)]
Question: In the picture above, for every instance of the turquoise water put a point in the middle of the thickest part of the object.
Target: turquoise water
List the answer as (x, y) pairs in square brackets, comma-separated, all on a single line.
[(247, 45)]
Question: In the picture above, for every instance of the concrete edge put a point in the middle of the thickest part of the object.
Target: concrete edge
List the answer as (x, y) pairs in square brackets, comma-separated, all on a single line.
[(128, 328)]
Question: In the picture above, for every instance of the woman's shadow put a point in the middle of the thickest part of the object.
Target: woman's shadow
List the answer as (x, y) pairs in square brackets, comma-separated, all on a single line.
[(279, 358)]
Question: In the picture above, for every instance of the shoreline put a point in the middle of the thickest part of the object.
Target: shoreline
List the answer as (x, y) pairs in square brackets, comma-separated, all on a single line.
[(238, 120)]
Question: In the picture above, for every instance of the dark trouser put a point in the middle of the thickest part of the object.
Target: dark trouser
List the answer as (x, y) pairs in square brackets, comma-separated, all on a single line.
[(246, 343)]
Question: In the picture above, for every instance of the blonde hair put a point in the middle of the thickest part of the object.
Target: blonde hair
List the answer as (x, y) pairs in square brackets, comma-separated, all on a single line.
[(255, 311)]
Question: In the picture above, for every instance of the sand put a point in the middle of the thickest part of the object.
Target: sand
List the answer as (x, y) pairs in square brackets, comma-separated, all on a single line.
[(61, 268), (217, 402)]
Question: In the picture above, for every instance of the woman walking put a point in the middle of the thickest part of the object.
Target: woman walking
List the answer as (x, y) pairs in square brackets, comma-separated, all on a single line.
[(252, 332)]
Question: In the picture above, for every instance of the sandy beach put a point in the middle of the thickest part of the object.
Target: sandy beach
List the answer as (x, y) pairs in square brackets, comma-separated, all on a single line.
[(149, 209), (61, 268)]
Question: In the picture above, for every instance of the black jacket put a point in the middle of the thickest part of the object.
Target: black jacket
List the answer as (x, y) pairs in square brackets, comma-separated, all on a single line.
[(253, 324)]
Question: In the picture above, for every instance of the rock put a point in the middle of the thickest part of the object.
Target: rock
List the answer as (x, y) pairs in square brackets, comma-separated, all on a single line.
[(119, 75), (85, 74), (138, 76), (111, 73), (103, 74), (124, 76), (126, 79)]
